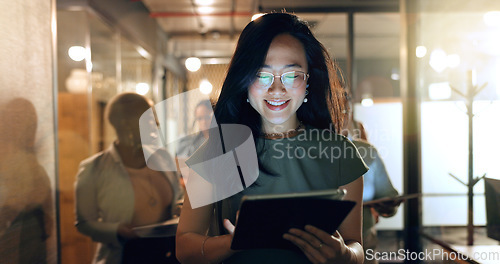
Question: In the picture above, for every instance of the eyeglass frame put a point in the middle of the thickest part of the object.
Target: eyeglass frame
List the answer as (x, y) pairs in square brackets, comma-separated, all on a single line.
[(306, 77)]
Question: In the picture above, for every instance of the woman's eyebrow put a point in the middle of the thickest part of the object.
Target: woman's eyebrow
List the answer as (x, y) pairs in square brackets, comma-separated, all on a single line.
[(284, 67)]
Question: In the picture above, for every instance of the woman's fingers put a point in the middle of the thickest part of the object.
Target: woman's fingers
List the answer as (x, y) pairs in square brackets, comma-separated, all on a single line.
[(307, 236), (324, 236), (318, 245), (229, 226), (311, 253)]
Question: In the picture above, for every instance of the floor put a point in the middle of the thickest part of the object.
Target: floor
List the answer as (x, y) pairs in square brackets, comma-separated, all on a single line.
[(392, 241)]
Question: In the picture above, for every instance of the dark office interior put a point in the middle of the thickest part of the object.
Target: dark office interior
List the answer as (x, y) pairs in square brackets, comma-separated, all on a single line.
[(423, 76)]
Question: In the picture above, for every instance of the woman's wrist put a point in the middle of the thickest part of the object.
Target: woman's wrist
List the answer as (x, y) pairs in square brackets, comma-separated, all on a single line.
[(354, 253), (203, 248), (216, 249)]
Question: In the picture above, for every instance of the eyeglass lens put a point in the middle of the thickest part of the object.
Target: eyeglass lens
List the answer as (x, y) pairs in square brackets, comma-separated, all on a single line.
[(290, 80)]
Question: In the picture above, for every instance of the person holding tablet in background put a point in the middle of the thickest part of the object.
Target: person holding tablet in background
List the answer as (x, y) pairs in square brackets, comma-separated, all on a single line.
[(116, 191), (377, 183), (282, 84)]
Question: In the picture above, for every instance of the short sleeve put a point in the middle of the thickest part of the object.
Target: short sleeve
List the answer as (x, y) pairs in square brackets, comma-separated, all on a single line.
[(87, 211), (351, 165)]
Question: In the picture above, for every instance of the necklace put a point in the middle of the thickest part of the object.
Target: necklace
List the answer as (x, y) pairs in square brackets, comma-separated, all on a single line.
[(289, 133)]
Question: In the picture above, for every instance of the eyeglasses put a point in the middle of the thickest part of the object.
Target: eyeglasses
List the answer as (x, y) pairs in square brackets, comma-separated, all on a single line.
[(291, 80)]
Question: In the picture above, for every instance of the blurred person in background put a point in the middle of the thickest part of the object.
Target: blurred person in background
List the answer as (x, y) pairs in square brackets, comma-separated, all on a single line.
[(116, 191), (377, 183)]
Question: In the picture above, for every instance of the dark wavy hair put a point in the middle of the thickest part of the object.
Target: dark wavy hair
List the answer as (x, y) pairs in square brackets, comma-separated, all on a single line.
[(323, 110)]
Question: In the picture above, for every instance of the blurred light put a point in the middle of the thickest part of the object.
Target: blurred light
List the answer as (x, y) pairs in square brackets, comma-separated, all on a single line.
[(491, 44), (492, 18), (193, 64), (498, 77), (205, 9), (76, 53), (473, 76), (204, 2), (420, 51), (143, 53), (395, 74), (205, 87), (366, 100), (453, 60), (213, 61), (77, 81), (439, 91), (257, 16), (142, 88), (438, 60)]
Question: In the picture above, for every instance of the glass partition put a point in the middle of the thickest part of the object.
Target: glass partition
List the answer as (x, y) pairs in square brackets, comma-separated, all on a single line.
[(377, 112), (457, 58), (28, 171), (106, 64)]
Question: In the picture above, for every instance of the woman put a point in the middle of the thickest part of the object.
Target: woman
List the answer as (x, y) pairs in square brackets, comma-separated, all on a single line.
[(116, 191), (282, 84)]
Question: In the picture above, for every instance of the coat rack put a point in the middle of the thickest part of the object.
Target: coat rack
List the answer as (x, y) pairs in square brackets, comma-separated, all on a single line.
[(472, 91)]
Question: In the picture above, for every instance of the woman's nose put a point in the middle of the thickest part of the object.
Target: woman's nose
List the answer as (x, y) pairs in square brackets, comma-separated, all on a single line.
[(277, 87)]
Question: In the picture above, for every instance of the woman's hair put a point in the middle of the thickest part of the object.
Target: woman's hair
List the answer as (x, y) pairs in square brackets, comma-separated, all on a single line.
[(206, 103), (325, 96)]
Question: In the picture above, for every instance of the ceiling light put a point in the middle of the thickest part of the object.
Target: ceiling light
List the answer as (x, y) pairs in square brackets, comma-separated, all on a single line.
[(421, 51), (193, 64), (76, 53), (143, 53), (142, 88), (205, 87), (204, 2), (205, 9)]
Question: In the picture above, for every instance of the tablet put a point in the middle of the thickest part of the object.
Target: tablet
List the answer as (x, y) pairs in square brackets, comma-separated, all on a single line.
[(163, 229), (395, 199), (263, 219)]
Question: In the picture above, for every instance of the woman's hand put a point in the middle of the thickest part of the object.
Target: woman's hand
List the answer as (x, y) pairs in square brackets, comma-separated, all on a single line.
[(319, 246), (229, 226)]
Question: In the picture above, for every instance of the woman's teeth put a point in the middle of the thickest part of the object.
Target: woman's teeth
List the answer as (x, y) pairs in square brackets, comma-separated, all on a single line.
[(276, 103)]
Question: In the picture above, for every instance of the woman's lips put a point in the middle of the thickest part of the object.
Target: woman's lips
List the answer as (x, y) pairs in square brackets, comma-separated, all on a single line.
[(277, 105)]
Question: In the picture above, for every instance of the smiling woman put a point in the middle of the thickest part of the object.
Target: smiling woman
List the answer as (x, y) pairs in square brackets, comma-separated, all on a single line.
[(281, 114), (277, 102)]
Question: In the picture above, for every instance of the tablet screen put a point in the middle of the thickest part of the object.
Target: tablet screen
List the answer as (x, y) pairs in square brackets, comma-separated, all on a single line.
[(263, 219)]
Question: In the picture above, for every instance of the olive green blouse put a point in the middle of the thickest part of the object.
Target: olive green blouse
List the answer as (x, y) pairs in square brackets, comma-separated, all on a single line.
[(313, 160)]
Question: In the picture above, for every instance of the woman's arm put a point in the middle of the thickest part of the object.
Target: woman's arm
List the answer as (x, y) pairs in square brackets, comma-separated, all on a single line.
[(192, 244), (345, 245), (351, 227)]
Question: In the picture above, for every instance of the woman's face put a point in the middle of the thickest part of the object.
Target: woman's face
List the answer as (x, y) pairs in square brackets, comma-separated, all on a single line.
[(278, 105)]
